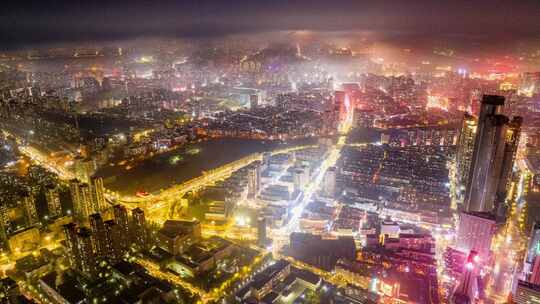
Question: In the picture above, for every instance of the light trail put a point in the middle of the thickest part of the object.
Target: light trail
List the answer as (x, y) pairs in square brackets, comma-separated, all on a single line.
[(45, 161)]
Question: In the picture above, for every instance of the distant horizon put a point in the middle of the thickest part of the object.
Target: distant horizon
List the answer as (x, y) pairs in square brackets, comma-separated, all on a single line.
[(38, 24)]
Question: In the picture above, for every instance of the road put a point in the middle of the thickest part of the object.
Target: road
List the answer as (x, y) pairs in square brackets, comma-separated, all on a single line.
[(158, 206), (508, 246), (330, 161), (164, 205), (47, 162)]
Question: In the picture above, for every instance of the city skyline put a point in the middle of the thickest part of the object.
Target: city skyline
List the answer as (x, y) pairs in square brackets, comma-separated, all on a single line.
[(288, 152)]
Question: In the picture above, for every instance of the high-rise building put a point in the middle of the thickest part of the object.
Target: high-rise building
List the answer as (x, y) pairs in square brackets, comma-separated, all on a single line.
[(329, 182), (464, 153), (254, 179), (86, 255), (512, 137), (139, 227), (70, 234), (301, 177), (121, 219), (533, 250), (52, 196), (84, 168), (475, 233), (487, 156), (98, 197), (493, 155), (29, 204), (253, 101), (80, 197), (529, 84), (4, 223), (527, 293), (341, 104), (80, 249), (261, 232), (97, 228), (467, 288), (87, 198), (535, 274), (112, 234)]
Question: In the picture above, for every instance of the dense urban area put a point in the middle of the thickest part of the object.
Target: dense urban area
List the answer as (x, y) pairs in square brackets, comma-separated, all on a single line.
[(242, 170)]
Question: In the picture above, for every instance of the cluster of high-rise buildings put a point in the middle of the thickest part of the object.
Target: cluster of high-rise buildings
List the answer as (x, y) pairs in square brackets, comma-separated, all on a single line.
[(484, 172), (87, 198), (106, 240)]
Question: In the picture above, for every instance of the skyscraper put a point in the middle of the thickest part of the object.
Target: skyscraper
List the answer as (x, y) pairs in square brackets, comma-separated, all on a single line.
[(139, 227), (29, 204), (4, 223), (535, 274), (254, 179), (533, 249), (329, 182), (53, 202), (493, 155), (80, 197), (475, 233), (70, 234), (512, 138), (261, 232), (98, 197), (112, 234), (86, 255), (464, 153), (87, 198), (97, 227), (467, 287), (122, 221)]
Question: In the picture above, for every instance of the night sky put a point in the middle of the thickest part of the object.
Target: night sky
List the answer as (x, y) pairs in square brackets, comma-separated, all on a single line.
[(26, 23)]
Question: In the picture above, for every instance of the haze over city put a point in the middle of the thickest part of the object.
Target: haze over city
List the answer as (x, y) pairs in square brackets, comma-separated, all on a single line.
[(270, 152)]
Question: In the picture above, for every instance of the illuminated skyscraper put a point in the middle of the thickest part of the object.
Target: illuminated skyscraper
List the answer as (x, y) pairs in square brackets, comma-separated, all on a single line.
[(4, 223), (98, 197), (53, 202), (535, 274), (475, 233), (467, 287), (70, 234), (139, 227), (80, 197), (86, 255), (533, 250), (29, 205), (464, 153), (329, 182), (341, 104), (254, 179), (261, 232), (122, 222), (512, 137), (492, 156), (97, 227), (87, 198), (301, 177), (112, 234), (486, 167)]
